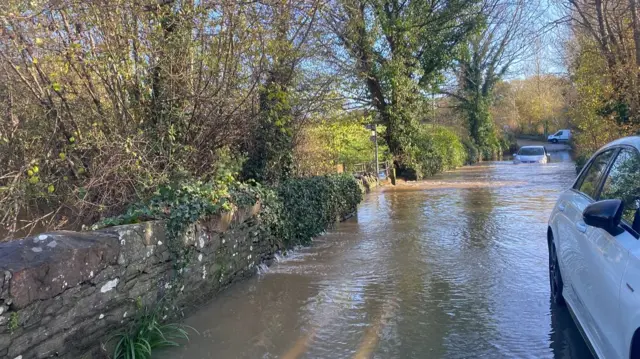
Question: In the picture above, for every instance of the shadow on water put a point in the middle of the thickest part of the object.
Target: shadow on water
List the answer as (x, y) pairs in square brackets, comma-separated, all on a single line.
[(453, 267), (566, 341)]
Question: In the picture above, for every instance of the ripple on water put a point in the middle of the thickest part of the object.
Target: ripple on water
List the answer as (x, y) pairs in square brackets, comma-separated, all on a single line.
[(450, 268)]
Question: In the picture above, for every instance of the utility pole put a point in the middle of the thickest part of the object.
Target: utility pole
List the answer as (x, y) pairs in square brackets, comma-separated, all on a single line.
[(375, 141), (433, 106)]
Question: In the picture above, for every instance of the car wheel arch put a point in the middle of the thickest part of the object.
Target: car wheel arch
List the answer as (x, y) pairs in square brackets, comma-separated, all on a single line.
[(634, 348), (550, 236)]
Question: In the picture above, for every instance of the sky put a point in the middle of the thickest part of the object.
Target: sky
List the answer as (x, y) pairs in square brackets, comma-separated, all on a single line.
[(549, 39)]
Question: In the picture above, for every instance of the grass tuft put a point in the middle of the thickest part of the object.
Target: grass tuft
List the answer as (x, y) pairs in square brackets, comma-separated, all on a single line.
[(146, 334)]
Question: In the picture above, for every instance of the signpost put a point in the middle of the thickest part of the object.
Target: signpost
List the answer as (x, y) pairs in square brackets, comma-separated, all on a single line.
[(374, 137)]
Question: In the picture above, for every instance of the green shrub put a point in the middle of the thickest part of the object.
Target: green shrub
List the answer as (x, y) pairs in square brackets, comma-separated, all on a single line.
[(508, 143), (293, 212), (489, 152), (447, 142), (436, 149), (311, 205), (341, 139), (473, 154), (183, 204)]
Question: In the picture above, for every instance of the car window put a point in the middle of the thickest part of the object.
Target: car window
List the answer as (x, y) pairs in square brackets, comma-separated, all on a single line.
[(588, 182), (559, 133), (623, 182), (531, 151)]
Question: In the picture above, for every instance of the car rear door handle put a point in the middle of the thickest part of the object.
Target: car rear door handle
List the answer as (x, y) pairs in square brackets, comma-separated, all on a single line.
[(561, 206), (582, 227)]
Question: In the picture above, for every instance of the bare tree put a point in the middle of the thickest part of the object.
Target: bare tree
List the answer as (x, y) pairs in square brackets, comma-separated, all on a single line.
[(505, 41), (612, 25), (104, 101)]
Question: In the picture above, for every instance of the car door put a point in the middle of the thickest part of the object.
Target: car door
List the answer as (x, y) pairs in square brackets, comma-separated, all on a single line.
[(609, 255), (562, 135), (573, 233)]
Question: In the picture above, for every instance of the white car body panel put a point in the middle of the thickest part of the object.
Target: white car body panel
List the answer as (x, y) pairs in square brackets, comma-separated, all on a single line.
[(561, 135), (600, 273), (530, 159), (629, 309), (518, 158)]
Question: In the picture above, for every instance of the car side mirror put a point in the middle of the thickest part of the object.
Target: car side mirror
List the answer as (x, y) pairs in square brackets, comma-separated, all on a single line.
[(605, 214)]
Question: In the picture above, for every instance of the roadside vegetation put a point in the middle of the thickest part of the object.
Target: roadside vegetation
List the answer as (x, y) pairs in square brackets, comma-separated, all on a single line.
[(107, 107), (103, 106), (128, 111), (292, 213), (147, 333), (604, 65), (595, 88)]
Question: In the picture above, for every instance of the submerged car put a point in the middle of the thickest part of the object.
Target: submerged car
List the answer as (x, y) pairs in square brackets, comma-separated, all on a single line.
[(531, 154), (594, 250)]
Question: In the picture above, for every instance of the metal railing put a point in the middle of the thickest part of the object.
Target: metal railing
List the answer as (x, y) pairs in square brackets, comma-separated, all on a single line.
[(362, 169)]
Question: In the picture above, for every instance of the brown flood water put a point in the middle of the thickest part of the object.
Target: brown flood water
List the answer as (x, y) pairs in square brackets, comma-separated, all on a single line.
[(455, 267)]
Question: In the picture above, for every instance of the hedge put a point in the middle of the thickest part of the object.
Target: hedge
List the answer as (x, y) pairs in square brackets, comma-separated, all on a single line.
[(311, 205)]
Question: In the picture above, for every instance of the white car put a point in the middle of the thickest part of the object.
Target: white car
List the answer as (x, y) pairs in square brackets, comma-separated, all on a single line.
[(531, 154), (562, 135), (594, 250)]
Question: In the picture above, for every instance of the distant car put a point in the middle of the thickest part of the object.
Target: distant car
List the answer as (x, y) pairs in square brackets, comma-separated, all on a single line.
[(562, 135), (594, 250), (531, 154)]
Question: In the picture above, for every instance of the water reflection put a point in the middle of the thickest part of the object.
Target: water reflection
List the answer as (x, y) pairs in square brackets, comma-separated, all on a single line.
[(450, 268), (561, 156), (566, 342), (479, 227)]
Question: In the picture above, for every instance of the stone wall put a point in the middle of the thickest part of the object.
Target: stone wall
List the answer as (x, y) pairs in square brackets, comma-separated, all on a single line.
[(62, 294), (367, 182)]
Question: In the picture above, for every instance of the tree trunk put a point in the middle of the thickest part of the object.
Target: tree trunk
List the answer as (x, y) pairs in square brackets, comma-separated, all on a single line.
[(636, 29), (604, 37)]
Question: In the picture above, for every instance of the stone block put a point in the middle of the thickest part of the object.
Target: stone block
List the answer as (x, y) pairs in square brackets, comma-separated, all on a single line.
[(135, 240), (21, 343), (44, 266), (48, 348), (5, 339)]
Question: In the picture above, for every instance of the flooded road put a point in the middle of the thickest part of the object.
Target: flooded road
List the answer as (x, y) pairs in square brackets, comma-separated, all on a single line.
[(455, 267)]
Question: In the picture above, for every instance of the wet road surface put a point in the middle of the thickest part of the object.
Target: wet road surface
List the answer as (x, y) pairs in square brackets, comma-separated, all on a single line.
[(455, 267)]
